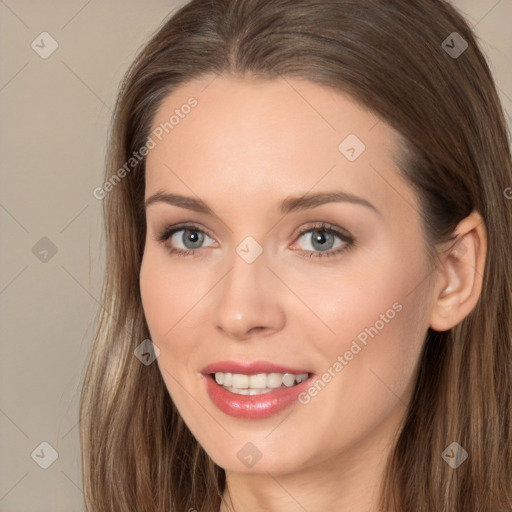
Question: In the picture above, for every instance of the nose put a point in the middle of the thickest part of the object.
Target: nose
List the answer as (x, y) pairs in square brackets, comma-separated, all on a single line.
[(248, 301)]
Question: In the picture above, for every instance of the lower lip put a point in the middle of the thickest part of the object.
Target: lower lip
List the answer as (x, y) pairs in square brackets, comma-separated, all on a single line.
[(253, 406)]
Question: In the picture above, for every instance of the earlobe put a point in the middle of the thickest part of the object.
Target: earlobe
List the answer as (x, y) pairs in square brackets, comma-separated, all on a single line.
[(460, 274)]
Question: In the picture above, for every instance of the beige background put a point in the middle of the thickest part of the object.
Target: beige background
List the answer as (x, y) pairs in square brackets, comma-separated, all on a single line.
[(53, 128)]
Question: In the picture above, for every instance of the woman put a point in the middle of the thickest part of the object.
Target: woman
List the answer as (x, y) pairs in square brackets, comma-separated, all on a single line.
[(307, 292)]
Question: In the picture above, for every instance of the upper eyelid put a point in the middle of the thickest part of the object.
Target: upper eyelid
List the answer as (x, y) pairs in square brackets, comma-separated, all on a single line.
[(187, 225)]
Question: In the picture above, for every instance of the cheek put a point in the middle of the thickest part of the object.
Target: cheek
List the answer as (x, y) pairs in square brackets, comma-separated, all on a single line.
[(154, 293), (165, 297), (174, 311), (377, 314), (370, 294), (166, 294), (369, 367)]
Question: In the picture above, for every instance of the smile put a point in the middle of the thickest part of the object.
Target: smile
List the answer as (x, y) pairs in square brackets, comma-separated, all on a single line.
[(254, 391)]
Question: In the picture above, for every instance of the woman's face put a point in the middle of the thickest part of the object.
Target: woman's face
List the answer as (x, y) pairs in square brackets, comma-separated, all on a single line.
[(305, 256)]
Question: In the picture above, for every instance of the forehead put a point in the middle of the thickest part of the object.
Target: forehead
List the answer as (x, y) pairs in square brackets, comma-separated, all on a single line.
[(239, 137)]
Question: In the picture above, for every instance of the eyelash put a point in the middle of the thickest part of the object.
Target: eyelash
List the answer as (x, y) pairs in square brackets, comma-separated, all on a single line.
[(323, 226)]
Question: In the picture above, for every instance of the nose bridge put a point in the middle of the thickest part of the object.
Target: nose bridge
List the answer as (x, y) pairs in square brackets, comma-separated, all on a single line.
[(247, 299), (249, 269)]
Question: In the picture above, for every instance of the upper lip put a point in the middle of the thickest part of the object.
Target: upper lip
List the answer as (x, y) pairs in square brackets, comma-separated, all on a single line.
[(251, 368)]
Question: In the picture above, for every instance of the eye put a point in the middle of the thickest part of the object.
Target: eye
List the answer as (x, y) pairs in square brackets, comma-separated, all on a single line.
[(185, 239), (321, 241)]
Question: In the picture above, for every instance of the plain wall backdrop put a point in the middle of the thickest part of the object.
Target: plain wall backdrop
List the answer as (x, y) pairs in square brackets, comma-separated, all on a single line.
[(55, 113)]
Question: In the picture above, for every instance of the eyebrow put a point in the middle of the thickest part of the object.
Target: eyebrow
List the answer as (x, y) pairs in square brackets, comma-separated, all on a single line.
[(289, 205)]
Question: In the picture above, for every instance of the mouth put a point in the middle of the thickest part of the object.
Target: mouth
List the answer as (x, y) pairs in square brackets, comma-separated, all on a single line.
[(256, 390)]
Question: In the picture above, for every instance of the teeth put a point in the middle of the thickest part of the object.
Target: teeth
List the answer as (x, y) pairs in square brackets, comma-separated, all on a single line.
[(274, 380), (301, 377), (259, 383), (288, 380), (240, 381), (248, 391)]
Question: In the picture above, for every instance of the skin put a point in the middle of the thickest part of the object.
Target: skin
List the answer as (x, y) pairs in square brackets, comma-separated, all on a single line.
[(245, 147)]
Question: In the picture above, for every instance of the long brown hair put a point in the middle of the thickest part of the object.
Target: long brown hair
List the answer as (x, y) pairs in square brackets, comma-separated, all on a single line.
[(137, 453)]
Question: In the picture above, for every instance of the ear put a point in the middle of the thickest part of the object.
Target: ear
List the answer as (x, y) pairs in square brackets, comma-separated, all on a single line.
[(460, 274)]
